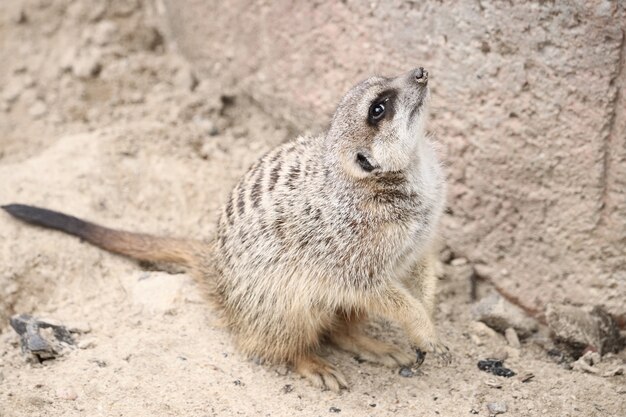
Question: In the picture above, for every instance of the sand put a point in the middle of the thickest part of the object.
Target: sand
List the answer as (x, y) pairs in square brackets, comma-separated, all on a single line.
[(100, 117)]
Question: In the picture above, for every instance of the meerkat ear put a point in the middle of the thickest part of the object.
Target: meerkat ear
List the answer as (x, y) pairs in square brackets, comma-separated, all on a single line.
[(366, 161)]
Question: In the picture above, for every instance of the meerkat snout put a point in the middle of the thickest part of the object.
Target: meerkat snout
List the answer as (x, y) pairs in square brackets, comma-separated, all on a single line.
[(420, 75)]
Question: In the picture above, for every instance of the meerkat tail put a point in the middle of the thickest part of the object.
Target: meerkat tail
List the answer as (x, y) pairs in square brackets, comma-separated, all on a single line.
[(134, 245)]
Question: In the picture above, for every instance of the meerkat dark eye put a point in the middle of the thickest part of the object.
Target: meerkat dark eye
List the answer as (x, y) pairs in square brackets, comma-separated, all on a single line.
[(377, 111)]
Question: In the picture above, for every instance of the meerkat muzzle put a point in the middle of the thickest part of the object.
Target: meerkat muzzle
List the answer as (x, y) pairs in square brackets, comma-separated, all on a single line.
[(420, 75)]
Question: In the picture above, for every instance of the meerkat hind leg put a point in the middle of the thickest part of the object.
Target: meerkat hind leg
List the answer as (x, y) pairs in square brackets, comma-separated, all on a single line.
[(321, 373)]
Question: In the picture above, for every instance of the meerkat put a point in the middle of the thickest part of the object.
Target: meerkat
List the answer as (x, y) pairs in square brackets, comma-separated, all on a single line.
[(320, 234)]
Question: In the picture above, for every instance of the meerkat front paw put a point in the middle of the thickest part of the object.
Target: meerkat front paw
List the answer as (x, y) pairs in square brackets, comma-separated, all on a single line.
[(441, 352), (437, 349), (321, 373)]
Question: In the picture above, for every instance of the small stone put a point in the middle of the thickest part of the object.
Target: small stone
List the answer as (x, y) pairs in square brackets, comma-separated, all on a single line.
[(499, 314), (66, 393), (185, 79), (80, 327), (620, 370), (286, 389), (511, 338), (458, 262), (334, 410), (40, 338), (578, 329), (479, 328), (282, 370), (38, 109), (406, 372), (87, 344), (484, 271), (526, 377), (497, 408), (493, 383), (495, 367)]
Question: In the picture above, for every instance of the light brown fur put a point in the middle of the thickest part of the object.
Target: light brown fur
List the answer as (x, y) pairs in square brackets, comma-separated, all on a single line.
[(319, 235)]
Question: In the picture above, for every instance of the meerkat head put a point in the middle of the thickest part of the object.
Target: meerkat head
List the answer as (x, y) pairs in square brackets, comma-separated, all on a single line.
[(379, 123)]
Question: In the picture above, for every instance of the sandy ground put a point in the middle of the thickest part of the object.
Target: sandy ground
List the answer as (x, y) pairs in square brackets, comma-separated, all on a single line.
[(99, 117)]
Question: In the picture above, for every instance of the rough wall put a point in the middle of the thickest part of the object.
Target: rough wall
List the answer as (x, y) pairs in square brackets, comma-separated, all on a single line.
[(528, 100)]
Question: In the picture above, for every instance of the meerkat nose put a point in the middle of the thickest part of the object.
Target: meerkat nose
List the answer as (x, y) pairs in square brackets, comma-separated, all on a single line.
[(420, 75)]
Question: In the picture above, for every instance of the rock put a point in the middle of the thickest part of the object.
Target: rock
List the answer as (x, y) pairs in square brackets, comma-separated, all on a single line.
[(87, 344), (40, 338), (495, 367), (577, 329), (406, 372), (458, 261), (334, 410), (282, 370), (80, 327), (585, 363), (38, 109), (499, 314), (511, 338), (497, 408), (480, 329)]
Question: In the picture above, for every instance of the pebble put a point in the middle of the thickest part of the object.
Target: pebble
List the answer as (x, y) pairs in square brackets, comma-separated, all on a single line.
[(80, 327), (282, 370), (458, 261), (87, 344), (334, 410), (66, 393), (406, 372), (499, 314), (511, 338), (497, 407)]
